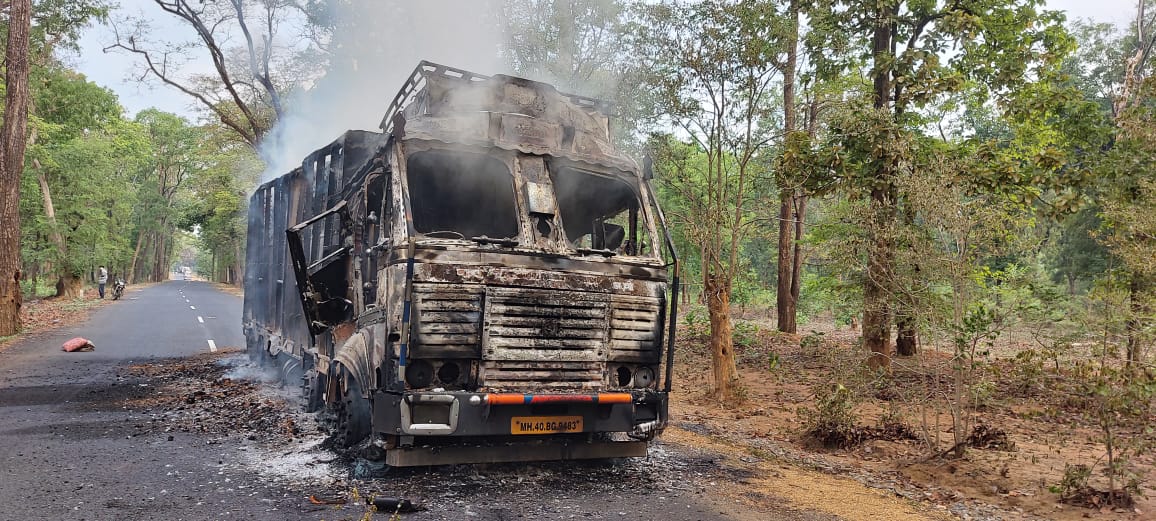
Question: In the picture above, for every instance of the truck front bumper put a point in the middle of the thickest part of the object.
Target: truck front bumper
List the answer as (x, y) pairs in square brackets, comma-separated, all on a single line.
[(640, 413)]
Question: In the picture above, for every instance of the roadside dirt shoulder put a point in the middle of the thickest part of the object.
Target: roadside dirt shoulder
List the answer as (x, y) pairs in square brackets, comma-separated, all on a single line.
[(41, 315), (772, 479)]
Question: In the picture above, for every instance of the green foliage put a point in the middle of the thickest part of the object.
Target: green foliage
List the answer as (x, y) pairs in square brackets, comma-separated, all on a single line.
[(89, 159), (697, 322), (1075, 480), (746, 289), (838, 294), (813, 341), (576, 46), (837, 244), (975, 336), (832, 419), (58, 23), (746, 334), (1078, 257)]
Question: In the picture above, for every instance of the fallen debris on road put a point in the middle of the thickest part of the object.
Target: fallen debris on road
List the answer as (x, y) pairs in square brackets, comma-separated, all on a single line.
[(78, 344)]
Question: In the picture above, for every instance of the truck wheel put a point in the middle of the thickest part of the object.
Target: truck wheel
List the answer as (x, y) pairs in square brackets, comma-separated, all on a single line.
[(313, 390), (352, 412)]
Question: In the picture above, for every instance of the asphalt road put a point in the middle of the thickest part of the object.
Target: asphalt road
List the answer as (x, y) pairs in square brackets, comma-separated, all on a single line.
[(77, 443), (69, 447)]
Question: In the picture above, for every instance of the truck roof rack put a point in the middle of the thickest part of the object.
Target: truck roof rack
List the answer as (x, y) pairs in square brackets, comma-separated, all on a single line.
[(425, 69), (416, 81)]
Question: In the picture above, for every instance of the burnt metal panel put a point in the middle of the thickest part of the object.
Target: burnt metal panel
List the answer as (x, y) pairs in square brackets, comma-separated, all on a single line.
[(447, 321), (635, 329), (440, 103), (545, 339), (506, 453)]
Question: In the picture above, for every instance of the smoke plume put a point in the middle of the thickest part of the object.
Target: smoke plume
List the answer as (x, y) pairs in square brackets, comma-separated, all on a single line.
[(373, 47)]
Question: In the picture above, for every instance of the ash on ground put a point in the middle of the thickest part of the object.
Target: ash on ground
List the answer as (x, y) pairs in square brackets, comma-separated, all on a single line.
[(228, 399)]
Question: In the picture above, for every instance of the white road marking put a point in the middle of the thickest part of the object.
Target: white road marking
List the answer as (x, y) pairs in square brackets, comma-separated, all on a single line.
[(201, 320), (192, 307), (212, 346)]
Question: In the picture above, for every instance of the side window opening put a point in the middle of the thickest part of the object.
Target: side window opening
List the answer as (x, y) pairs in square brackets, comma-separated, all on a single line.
[(600, 213), (461, 195)]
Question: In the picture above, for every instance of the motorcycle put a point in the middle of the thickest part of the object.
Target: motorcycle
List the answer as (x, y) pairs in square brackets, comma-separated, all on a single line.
[(117, 289)]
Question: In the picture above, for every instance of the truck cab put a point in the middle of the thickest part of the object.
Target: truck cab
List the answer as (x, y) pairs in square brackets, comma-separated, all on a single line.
[(484, 280)]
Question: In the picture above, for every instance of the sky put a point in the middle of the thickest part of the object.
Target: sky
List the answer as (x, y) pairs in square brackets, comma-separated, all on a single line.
[(119, 72)]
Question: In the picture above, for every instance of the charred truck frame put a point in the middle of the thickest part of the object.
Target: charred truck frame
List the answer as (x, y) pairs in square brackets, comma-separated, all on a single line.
[(483, 281)]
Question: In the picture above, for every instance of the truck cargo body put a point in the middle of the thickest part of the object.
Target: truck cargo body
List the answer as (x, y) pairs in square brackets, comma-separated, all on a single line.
[(483, 281)]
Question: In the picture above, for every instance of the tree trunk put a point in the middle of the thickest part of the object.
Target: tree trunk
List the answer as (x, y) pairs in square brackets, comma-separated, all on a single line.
[(12, 145), (721, 337), (877, 283), (564, 11), (144, 269), (69, 286), (880, 250), (785, 299), (239, 261), (797, 267), (1133, 327), (132, 270), (907, 340), (160, 267)]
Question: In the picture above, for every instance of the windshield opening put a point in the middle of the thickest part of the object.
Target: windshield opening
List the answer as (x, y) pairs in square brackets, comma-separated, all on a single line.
[(460, 195), (600, 213)]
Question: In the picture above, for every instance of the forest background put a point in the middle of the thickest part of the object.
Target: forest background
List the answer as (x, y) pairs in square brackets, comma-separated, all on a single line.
[(930, 173)]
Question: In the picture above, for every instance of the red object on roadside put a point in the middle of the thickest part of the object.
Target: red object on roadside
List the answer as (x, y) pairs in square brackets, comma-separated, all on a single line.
[(78, 344)]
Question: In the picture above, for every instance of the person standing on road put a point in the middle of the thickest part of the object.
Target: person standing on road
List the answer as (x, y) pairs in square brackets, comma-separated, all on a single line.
[(101, 280)]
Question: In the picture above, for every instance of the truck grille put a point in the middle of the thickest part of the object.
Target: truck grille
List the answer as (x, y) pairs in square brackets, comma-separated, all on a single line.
[(447, 321), (635, 329), (533, 338), (545, 338)]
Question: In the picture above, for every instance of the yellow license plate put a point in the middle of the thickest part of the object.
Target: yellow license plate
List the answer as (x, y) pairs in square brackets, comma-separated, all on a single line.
[(545, 424)]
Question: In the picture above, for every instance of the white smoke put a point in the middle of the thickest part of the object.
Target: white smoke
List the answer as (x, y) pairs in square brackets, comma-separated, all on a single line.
[(376, 47)]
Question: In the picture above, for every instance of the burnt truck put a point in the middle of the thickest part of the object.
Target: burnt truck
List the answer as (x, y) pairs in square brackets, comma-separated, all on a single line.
[(484, 280)]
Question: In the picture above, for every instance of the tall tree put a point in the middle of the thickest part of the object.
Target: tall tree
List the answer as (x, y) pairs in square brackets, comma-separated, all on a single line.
[(572, 44), (174, 157), (1129, 204), (12, 144), (711, 64), (244, 91), (216, 205), (56, 24), (73, 116), (792, 203), (918, 51)]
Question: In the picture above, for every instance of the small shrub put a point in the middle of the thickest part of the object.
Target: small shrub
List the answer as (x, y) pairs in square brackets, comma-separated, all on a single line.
[(773, 362), (1027, 373), (983, 394), (697, 323), (813, 341), (991, 438), (745, 334), (832, 420), (1075, 479)]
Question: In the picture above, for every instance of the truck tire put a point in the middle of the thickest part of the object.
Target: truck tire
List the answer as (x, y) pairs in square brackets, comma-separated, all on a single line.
[(352, 411)]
